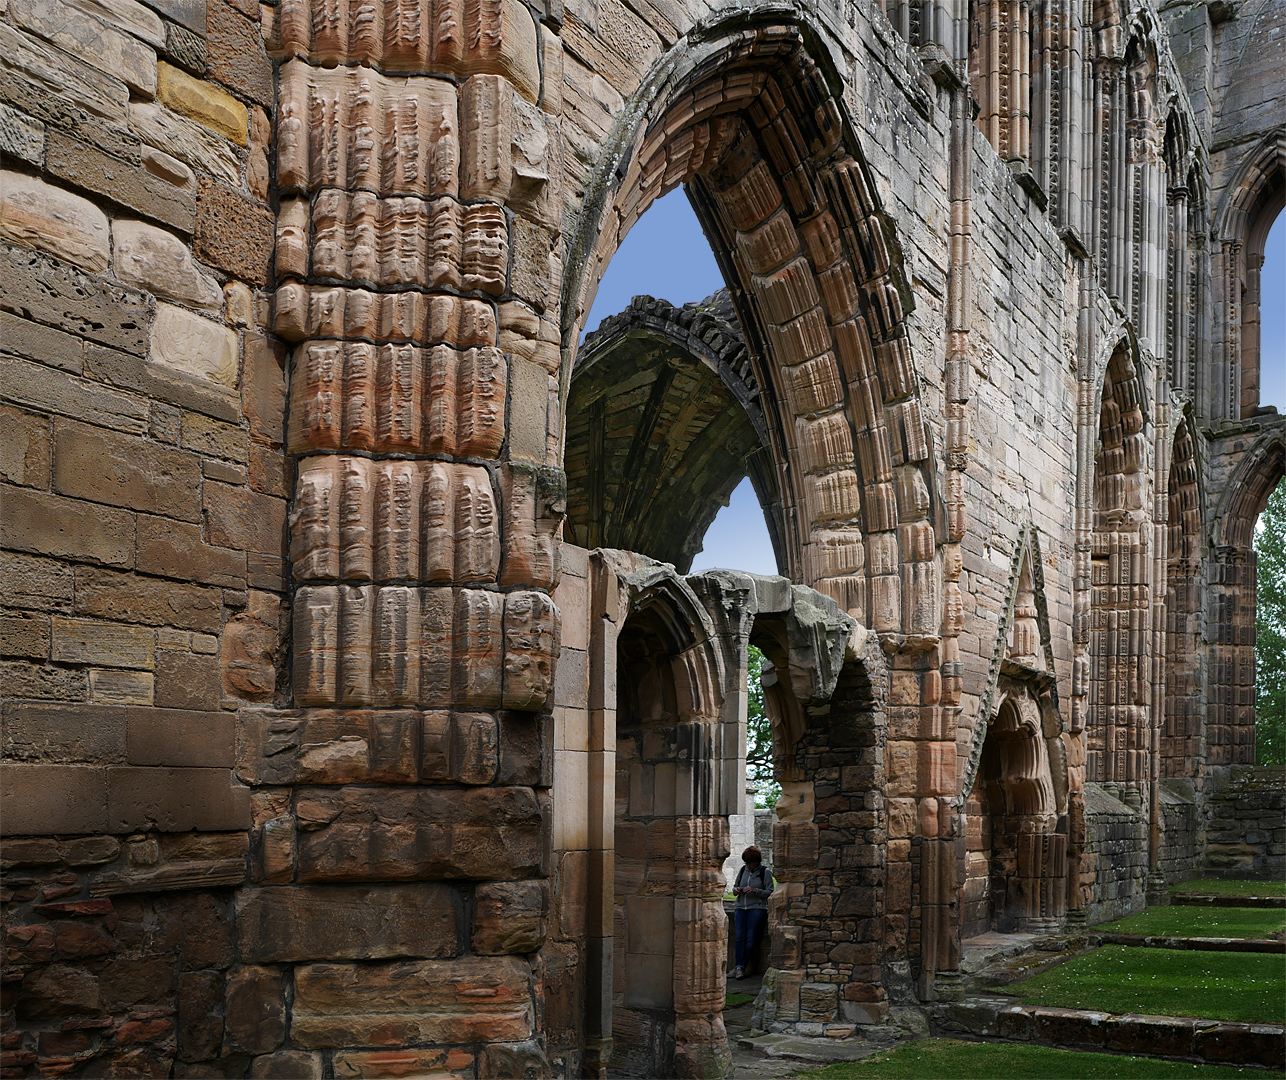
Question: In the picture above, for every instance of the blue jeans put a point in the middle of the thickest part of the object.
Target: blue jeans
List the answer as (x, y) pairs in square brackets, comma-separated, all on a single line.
[(750, 928)]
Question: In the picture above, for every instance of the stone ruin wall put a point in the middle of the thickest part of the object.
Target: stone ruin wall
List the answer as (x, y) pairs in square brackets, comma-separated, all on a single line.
[(1245, 834), (258, 721)]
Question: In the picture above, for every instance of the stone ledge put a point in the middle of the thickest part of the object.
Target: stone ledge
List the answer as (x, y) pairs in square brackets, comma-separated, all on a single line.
[(1194, 944), (1209, 900), (1182, 1037), (51, 800)]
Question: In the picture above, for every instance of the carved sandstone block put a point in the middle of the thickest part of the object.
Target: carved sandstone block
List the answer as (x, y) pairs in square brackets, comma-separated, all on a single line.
[(36, 214), (770, 245), (255, 1010), (535, 502), (253, 644), (752, 198), (700, 953), (355, 833), (159, 262), (397, 645), (354, 128), (307, 311), (531, 644), (328, 747), (803, 338), (509, 917), (336, 922), (401, 240), (358, 519), (353, 395), (788, 292), (510, 149), (813, 386), (834, 553), (452, 1064), (529, 336), (825, 442), (193, 345), (459, 748), (478, 648), (454, 37), (209, 105), (468, 1000), (834, 497)]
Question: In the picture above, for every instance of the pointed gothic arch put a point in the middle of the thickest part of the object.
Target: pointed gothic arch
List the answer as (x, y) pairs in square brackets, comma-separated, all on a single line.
[(1117, 728), (1230, 723), (671, 833), (1181, 723), (1254, 201), (1016, 785), (748, 119), (663, 422)]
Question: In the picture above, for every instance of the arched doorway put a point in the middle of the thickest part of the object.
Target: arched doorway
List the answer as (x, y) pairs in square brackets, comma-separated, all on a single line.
[(670, 839), (676, 773), (1018, 823)]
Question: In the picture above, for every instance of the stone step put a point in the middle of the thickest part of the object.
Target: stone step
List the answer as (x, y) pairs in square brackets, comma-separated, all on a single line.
[(815, 1051)]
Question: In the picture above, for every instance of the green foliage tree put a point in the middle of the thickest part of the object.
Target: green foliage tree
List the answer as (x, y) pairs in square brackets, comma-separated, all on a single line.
[(759, 736), (1270, 632)]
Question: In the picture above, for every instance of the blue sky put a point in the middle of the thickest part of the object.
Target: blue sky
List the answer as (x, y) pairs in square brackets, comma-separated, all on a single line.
[(1272, 316), (666, 255)]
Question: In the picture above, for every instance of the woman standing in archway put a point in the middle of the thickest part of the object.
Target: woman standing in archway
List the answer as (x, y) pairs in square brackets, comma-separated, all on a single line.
[(753, 886)]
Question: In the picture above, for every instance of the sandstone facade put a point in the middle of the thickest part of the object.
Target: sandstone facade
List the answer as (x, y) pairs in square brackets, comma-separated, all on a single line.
[(353, 722)]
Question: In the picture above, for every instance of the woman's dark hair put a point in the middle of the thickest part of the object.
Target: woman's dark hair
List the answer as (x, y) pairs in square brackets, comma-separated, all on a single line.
[(752, 855)]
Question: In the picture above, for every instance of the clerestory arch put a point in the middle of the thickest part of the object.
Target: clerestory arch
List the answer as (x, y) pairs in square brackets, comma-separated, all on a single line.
[(1246, 495), (1230, 724), (1255, 199), (746, 116)]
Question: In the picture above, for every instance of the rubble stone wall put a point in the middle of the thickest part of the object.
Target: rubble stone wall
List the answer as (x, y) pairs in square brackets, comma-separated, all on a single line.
[(1246, 833), (1114, 866), (1183, 832)]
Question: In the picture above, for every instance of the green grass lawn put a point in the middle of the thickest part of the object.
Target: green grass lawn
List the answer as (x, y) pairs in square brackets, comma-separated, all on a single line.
[(739, 999), (933, 1058), (1220, 887), (1184, 921), (1244, 987)]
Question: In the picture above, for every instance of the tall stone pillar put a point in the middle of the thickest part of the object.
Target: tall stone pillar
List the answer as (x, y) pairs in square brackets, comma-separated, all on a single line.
[(421, 538)]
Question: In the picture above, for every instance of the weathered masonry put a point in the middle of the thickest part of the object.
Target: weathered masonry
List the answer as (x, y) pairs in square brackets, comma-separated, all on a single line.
[(358, 716)]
